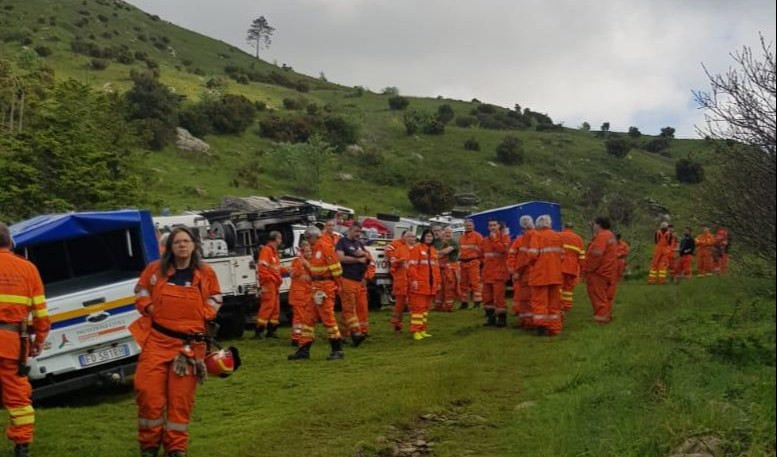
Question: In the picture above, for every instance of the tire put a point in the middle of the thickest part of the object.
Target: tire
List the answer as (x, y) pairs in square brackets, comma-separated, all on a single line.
[(233, 323)]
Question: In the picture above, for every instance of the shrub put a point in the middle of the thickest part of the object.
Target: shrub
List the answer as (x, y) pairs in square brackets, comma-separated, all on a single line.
[(621, 210), (340, 132), (486, 108), (43, 51), (472, 144), (391, 90), (431, 196), (231, 114), (311, 109), (657, 145), (125, 57), (142, 37), (398, 102), (241, 78), (667, 132), (445, 113), (617, 147), (154, 107), (302, 86), (99, 64), (549, 127), (634, 132), (102, 18), (195, 119), (286, 129), (433, 127), (140, 55), (293, 103), (186, 62), (689, 171), (465, 121), (510, 151), (159, 45), (260, 105)]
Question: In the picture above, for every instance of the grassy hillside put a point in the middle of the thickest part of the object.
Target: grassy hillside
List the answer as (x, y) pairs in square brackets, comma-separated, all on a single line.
[(559, 166), (676, 363)]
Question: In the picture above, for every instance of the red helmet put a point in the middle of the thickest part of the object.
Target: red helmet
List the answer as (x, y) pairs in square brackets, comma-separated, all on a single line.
[(223, 362)]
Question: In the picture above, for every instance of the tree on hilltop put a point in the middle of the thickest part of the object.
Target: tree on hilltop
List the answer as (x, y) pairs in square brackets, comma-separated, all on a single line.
[(259, 34)]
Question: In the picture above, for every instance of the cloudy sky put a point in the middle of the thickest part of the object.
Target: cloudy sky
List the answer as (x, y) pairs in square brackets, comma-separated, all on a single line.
[(626, 62)]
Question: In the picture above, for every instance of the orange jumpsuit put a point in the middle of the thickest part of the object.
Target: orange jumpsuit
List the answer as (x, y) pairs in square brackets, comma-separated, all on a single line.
[(450, 273), (512, 259), (721, 248), (399, 259), (470, 255), (363, 308), (705, 243), (523, 268), (622, 249), (495, 250), (331, 238), (574, 255), (325, 270), (21, 294), (601, 274), (545, 279), (300, 293), (423, 273), (673, 260), (270, 278), (165, 400), (660, 261), (353, 300)]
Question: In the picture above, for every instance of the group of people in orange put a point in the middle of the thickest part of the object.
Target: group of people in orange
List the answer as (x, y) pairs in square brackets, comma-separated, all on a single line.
[(673, 257)]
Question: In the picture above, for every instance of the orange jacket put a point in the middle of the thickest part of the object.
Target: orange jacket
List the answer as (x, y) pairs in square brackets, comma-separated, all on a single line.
[(332, 238), (21, 294), (663, 240), (423, 270), (545, 253), (470, 246), (705, 241), (522, 260), (512, 254), (622, 250), (721, 240), (392, 247), (324, 263), (270, 269), (574, 253), (602, 256), (301, 290), (172, 307), (495, 258), (400, 259)]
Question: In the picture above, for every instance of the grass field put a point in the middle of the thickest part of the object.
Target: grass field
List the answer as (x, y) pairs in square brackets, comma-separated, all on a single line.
[(677, 362)]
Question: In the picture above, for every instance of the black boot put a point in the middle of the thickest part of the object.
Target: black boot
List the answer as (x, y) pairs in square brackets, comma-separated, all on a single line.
[(490, 318), (303, 353), (337, 350), (271, 329), (176, 454), (542, 331), (357, 339), (476, 305), (294, 343), (259, 332), (501, 320), (463, 305), (21, 450)]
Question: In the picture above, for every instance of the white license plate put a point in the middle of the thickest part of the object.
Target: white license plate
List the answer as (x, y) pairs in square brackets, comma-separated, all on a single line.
[(382, 281), (104, 355)]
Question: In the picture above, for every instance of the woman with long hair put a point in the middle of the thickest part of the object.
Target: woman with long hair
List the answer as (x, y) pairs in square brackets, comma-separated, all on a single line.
[(424, 277), (176, 296)]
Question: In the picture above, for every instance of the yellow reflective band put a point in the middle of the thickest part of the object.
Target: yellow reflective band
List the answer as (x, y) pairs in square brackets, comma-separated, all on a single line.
[(318, 269), (38, 299), (15, 299), (572, 248), (40, 312), (24, 420), (21, 411)]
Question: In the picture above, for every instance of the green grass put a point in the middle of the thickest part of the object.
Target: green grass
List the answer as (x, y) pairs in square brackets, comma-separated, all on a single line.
[(698, 359)]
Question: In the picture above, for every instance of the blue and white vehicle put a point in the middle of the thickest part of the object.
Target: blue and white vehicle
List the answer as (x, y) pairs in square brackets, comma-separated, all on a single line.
[(89, 263)]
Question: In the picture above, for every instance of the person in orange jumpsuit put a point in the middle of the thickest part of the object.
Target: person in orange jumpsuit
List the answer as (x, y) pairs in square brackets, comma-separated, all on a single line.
[(470, 256), (270, 273), (601, 270), (448, 253), (574, 255), (671, 252), (522, 273), (301, 290), (399, 263), (423, 274), (363, 308), (176, 296), (660, 261), (326, 273), (622, 250), (687, 249), (705, 243), (546, 278), (355, 260), (495, 249), (721, 249), (330, 235), (512, 261), (21, 295)]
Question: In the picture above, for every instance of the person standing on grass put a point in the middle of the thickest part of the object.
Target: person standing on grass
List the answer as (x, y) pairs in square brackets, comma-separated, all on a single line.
[(495, 249), (687, 250), (400, 262), (269, 272), (449, 270), (301, 290), (354, 259), (622, 250), (424, 277), (470, 255), (601, 270), (574, 256), (546, 278)]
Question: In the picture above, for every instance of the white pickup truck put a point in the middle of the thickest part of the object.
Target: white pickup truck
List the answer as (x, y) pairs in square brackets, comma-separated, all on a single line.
[(89, 263)]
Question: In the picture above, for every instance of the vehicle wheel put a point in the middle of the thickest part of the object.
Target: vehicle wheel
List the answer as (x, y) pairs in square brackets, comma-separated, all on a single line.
[(233, 324)]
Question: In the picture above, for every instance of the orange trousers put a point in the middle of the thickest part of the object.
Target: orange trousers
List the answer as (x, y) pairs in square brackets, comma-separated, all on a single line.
[(419, 311), (451, 286), (494, 297), (16, 394), (723, 264), (621, 266), (524, 301), (400, 303), (546, 307), (363, 309), (269, 305), (704, 262), (568, 292), (324, 312), (516, 297), (601, 293), (685, 266), (354, 303), (470, 281), (297, 310), (658, 267), (165, 400)]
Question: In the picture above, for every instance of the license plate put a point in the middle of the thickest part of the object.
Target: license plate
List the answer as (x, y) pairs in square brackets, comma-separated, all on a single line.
[(382, 281), (104, 355)]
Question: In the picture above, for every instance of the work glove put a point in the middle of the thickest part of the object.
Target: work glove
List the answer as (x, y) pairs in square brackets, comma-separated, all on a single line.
[(200, 371), (182, 361)]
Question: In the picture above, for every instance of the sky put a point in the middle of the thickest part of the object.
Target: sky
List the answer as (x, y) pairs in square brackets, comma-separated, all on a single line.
[(630, 63)]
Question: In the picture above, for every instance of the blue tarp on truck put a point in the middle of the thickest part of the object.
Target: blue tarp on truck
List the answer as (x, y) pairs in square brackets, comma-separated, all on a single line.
[(512, 213), (56, 227)]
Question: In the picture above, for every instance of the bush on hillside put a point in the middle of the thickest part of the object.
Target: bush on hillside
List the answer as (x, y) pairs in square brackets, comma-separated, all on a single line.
[(43, 51), (656, 145), (302, 86), (340, 132), (293, 104), (231, 114), (634, 132), (431, 196), (286, 129), (472, 144), (445, 113), (510, 151), (422, 121), (617, 147), (465, 121), (154, 107), (667, 132), (689, 171), (98, 64), (621, 210), (398, 102), (549, 128)]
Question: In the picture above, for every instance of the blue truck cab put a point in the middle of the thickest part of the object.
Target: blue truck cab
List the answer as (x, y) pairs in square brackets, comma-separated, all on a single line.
[(511, 214)]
